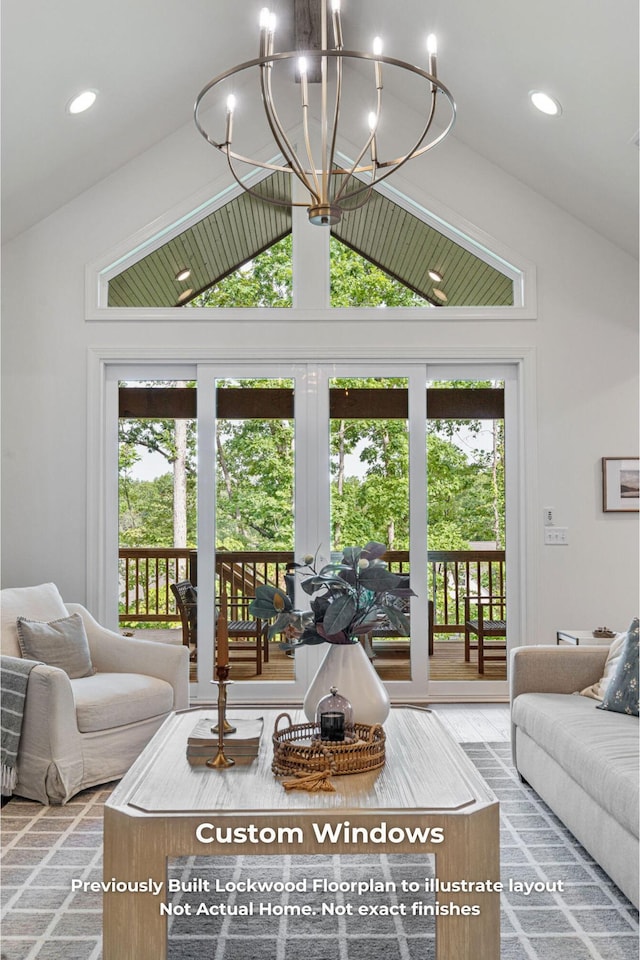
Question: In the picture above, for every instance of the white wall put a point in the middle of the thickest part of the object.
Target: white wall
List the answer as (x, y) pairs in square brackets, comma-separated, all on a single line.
[(585, 343)]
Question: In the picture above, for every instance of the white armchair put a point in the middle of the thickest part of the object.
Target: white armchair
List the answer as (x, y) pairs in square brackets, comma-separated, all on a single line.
[(77, 733)]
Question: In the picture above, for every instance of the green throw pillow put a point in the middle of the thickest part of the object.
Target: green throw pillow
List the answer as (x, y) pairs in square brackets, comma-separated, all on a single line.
[(59, 643), (622, 692)]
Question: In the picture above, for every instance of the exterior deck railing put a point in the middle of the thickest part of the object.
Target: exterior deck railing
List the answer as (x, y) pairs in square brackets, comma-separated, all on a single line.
[(145, 575)]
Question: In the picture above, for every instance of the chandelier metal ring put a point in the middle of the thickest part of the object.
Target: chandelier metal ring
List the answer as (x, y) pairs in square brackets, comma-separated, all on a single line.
[(324, 210)]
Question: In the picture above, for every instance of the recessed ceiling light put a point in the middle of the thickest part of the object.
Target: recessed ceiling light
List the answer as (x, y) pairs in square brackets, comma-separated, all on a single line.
[(183, 274), (184, 295), (545, 103), (82, 102), (440, 294), (435, 276)]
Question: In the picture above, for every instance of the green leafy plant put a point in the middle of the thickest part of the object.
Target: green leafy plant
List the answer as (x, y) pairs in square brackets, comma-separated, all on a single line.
[(348, 599)]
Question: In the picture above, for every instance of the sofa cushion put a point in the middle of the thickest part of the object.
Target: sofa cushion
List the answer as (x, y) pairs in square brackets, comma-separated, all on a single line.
[(108, 700), (599, 750), (58, 643), (38, 603), (622, 692)]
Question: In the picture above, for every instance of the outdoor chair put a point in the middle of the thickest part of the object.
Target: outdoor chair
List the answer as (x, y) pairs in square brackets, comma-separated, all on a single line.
[(241, 626), (489, 626), (248, 639), (385, 630), (186, 598)]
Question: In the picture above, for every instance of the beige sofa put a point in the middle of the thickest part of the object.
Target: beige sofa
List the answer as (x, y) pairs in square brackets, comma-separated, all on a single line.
[(81, 732), (583, 762)]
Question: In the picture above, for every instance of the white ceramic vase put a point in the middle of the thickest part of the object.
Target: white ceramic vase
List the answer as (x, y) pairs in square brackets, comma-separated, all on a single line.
[(347, 667)]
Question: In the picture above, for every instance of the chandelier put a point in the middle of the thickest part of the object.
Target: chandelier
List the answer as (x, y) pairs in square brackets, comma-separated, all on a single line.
[(334, 185)]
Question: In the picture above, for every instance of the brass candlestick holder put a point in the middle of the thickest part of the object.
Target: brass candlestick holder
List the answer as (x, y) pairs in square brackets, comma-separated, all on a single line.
[(220, 761)]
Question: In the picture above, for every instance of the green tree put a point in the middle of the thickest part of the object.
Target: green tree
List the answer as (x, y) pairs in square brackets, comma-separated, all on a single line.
[(265, 281), (255, 456)]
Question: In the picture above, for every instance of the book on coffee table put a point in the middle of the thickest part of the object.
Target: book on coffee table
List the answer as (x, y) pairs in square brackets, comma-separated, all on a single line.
[(242, 745), (247, 733)]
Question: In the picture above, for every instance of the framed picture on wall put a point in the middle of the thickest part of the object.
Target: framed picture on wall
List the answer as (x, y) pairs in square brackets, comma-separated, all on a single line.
[(620, 484)]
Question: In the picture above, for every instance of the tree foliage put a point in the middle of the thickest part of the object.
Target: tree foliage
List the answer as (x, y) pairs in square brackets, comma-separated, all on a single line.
[(255, 457)]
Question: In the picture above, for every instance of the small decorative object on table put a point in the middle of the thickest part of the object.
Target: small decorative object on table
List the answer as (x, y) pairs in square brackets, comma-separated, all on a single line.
[(604, 632), (300, 749), (220, 762), (334, 716)]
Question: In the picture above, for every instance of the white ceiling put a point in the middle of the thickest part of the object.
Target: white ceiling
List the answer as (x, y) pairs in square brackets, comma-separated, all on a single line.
[(149, 58)]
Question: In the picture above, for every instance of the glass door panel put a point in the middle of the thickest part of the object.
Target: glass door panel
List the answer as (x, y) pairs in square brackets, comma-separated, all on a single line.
[(369, 443), (254, 515), (466, 532), (157, 494)]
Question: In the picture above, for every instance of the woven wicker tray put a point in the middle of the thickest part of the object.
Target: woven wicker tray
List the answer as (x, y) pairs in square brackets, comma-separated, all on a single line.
[(291, 755)]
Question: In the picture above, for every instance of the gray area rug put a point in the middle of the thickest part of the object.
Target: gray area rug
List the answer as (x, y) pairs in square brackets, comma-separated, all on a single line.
[(589, 919)]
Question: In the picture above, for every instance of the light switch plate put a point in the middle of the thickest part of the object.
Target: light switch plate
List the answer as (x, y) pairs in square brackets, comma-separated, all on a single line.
[(556, 536)]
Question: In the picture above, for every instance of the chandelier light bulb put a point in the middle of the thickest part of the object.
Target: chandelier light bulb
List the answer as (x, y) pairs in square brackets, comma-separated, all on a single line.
[(231, 105), (373, 121), (272, 23), (302, 65), (432, 45), (335, 6), (264, 18), (377, 46)]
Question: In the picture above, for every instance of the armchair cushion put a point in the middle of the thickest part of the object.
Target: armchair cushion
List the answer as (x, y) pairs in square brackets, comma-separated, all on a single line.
[(108, 700), (38, 603), (60, 643)]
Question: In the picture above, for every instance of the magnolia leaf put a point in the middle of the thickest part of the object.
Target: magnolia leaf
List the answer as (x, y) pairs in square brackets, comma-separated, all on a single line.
[(401, 592), (281, 623), (365, 627), (340, 637), (373, 550), (351, 555), (339, 615), (397, 619), (378, 578), (261, 610), (265, 592)]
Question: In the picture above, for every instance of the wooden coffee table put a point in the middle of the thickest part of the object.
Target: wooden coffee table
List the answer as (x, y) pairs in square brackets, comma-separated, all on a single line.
[(427, 781)]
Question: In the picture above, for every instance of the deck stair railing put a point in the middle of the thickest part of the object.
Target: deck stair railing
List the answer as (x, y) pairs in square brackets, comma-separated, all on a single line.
[(145, 575)]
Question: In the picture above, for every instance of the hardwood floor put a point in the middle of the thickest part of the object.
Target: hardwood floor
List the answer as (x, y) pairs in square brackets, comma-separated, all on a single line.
[(391, 663), (466, 722), (475, 722)]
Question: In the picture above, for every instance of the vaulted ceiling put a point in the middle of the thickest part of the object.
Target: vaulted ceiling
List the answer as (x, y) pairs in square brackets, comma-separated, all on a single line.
[(148, 59)]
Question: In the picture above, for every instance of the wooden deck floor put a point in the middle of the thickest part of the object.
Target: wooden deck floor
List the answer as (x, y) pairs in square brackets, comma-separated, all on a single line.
[(391, 662)]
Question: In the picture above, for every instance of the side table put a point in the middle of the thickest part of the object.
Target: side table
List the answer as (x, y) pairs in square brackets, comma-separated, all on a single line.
[(585, 638)]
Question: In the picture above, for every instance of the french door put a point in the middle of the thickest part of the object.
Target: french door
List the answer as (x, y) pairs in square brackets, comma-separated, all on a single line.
[(344, 447), (295, 459)]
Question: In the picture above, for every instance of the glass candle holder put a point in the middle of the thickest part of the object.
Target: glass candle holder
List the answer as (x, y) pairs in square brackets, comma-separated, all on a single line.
[(332, 705)]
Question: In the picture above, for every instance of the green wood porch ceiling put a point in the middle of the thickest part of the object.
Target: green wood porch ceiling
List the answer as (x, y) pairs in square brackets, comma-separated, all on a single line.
[(386, 234)]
